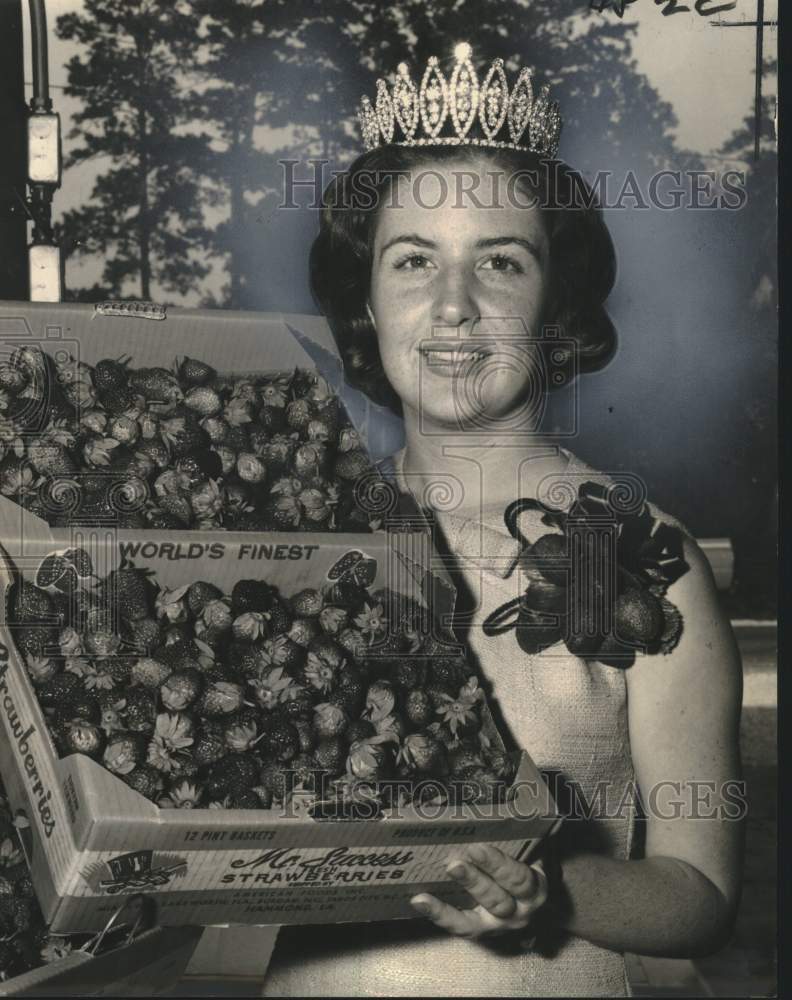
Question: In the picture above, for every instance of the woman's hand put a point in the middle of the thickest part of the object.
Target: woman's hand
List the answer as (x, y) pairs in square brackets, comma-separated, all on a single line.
[(508, 894)]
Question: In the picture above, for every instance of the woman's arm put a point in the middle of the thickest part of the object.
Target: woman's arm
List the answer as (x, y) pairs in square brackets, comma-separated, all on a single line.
[(679, 901), (684, 714)]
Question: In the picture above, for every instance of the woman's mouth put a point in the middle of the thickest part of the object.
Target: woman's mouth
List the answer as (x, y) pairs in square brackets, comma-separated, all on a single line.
[(451, 359)]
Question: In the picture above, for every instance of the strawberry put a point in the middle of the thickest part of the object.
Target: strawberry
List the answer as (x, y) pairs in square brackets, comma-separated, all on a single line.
[(361, 729), (250, 468), (297, 704), (307, 603), (42, 669), (233, 772), (30, 604), (548, 554), (80, 736), (310, 460), (116, 399), (110, 374), (351, 465), (131, 592), (329, 720), (283, 513), (258, 438), (418, 708), (305, 770), (141, 634), (252, 595), (60, 688), (146, 780), (424, 754), (200, 594), (140, 711), (156, 451), (209, 746), (216, 428), (183, 434), (124, 428), (220, 698), (306, 735), (124, 752), (279, 617), (181, 689), (251, 626), (353, 641), (150, 673), (299, 414), (269, 687), (638, 616), (155, 384), (349, 694), (80, 706), (12, 379), (204, 400), (277, 778), (406, 672), (194, 372), (237, 439), (241, 734), (281, 740), (279, 452), (50, 459), (370, 759)]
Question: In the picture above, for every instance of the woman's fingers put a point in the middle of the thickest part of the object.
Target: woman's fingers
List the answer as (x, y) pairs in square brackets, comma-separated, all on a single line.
[(507, 893), (463, 923), (524, 883), (484, 889)]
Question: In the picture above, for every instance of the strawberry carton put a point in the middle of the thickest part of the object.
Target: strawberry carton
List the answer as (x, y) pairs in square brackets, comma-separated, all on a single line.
[(248, 729), (138, 416)]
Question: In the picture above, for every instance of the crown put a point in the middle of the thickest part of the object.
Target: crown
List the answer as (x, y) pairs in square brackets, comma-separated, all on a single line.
[(517, 120)]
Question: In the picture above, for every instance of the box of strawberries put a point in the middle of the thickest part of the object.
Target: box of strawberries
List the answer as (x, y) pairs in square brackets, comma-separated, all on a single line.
[(226, 675), (248, 739)]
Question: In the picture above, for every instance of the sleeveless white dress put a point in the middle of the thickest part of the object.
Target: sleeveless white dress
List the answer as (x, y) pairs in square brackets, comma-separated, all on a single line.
[(571, 717)]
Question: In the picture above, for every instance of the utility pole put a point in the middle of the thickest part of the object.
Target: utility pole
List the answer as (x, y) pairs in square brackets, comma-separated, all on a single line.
[(13, 161), (759, 24)]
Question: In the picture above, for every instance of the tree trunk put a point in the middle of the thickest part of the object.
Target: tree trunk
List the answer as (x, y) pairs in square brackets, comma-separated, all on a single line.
[(143, 211), (236, 184), (242, 143)]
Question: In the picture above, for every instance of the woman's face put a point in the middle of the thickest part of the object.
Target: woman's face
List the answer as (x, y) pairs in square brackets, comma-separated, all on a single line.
[(457, 289)]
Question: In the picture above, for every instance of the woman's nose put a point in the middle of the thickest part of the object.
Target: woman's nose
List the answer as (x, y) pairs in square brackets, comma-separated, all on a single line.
[(454, 304)]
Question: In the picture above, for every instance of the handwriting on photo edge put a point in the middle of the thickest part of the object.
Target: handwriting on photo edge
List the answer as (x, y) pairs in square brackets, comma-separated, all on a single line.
[(705, 8)]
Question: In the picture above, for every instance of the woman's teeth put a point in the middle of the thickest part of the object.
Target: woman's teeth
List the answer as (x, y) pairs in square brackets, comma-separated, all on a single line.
[(455, 357)]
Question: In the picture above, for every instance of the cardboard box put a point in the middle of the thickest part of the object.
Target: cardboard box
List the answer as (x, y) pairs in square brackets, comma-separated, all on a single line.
[(94, 838), (232, 342)]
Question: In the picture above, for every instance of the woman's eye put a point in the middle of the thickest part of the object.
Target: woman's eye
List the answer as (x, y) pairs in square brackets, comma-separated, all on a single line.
[(412, 262), (500, 262)]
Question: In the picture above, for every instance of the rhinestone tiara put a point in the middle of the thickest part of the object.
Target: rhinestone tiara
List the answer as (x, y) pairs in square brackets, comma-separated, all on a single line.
[(517, 120)]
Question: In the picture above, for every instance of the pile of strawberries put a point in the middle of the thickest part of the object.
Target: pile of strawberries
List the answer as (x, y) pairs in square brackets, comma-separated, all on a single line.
[(185, 448), (197, 698)]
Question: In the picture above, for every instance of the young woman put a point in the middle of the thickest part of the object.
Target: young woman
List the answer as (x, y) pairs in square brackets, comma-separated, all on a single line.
[(461, 272)]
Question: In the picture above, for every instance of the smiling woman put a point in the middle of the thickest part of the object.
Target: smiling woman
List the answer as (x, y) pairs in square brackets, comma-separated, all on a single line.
[(464, 277)]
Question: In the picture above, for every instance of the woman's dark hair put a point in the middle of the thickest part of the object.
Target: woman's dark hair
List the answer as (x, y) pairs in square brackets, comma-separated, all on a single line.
[(582, 259)]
